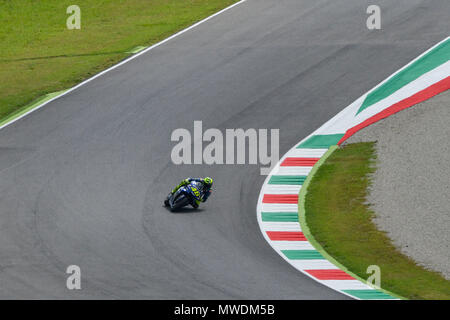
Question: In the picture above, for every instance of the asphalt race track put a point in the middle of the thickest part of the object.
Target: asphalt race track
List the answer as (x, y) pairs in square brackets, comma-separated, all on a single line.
[(82, 179)]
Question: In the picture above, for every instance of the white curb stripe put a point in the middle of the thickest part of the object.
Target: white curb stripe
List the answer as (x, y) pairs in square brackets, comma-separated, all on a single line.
[(279, 207), (347, 284), (281, 226), (307, 153), (292, 245), (313, 264), (283, 189), (293, 171)]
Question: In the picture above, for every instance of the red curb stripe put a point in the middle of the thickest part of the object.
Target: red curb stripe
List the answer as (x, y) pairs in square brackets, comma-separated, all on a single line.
[(330, 274), (419, 97), (299, 162), (280, 198), (286, 235)]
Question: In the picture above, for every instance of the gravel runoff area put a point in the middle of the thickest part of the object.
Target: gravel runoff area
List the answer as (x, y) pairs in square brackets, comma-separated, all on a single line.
[(410, 192)]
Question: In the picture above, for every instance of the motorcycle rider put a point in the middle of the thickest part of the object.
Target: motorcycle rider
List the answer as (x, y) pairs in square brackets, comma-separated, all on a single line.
[(205, 190)]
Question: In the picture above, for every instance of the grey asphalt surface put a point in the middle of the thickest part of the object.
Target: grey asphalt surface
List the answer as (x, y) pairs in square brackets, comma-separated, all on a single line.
[(82, 180), (410, 189)]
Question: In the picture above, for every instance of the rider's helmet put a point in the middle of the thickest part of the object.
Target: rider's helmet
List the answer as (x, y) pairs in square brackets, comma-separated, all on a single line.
[(208, 181)]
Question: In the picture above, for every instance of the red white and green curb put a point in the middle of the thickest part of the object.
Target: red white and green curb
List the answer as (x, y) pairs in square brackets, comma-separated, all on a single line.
[(280, 208)]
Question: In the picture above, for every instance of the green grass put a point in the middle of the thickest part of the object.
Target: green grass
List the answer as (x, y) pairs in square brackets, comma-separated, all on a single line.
[(341, 222), (39, 55)]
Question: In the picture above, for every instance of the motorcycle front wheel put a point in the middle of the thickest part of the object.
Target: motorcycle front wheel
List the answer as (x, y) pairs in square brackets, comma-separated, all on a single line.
[(179, 202)]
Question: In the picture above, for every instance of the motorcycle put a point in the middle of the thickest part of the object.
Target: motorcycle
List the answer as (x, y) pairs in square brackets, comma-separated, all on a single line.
[(184, 196)]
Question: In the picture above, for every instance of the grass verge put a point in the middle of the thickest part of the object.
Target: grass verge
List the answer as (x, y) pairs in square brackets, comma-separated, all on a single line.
[(39, 55), (341, 221)]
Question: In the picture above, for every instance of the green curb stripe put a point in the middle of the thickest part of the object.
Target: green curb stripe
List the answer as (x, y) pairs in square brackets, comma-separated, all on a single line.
[(36, 103), (430, 61), (280, 216), (368, 294), (293, 180), (313, 241), (322, 141), (302, 254)]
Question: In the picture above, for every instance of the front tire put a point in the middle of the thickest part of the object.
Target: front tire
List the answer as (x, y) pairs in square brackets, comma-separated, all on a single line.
[(179, 202)]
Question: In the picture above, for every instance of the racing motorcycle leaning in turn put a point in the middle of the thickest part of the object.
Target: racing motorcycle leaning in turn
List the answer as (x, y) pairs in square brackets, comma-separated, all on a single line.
[(190, 191)]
